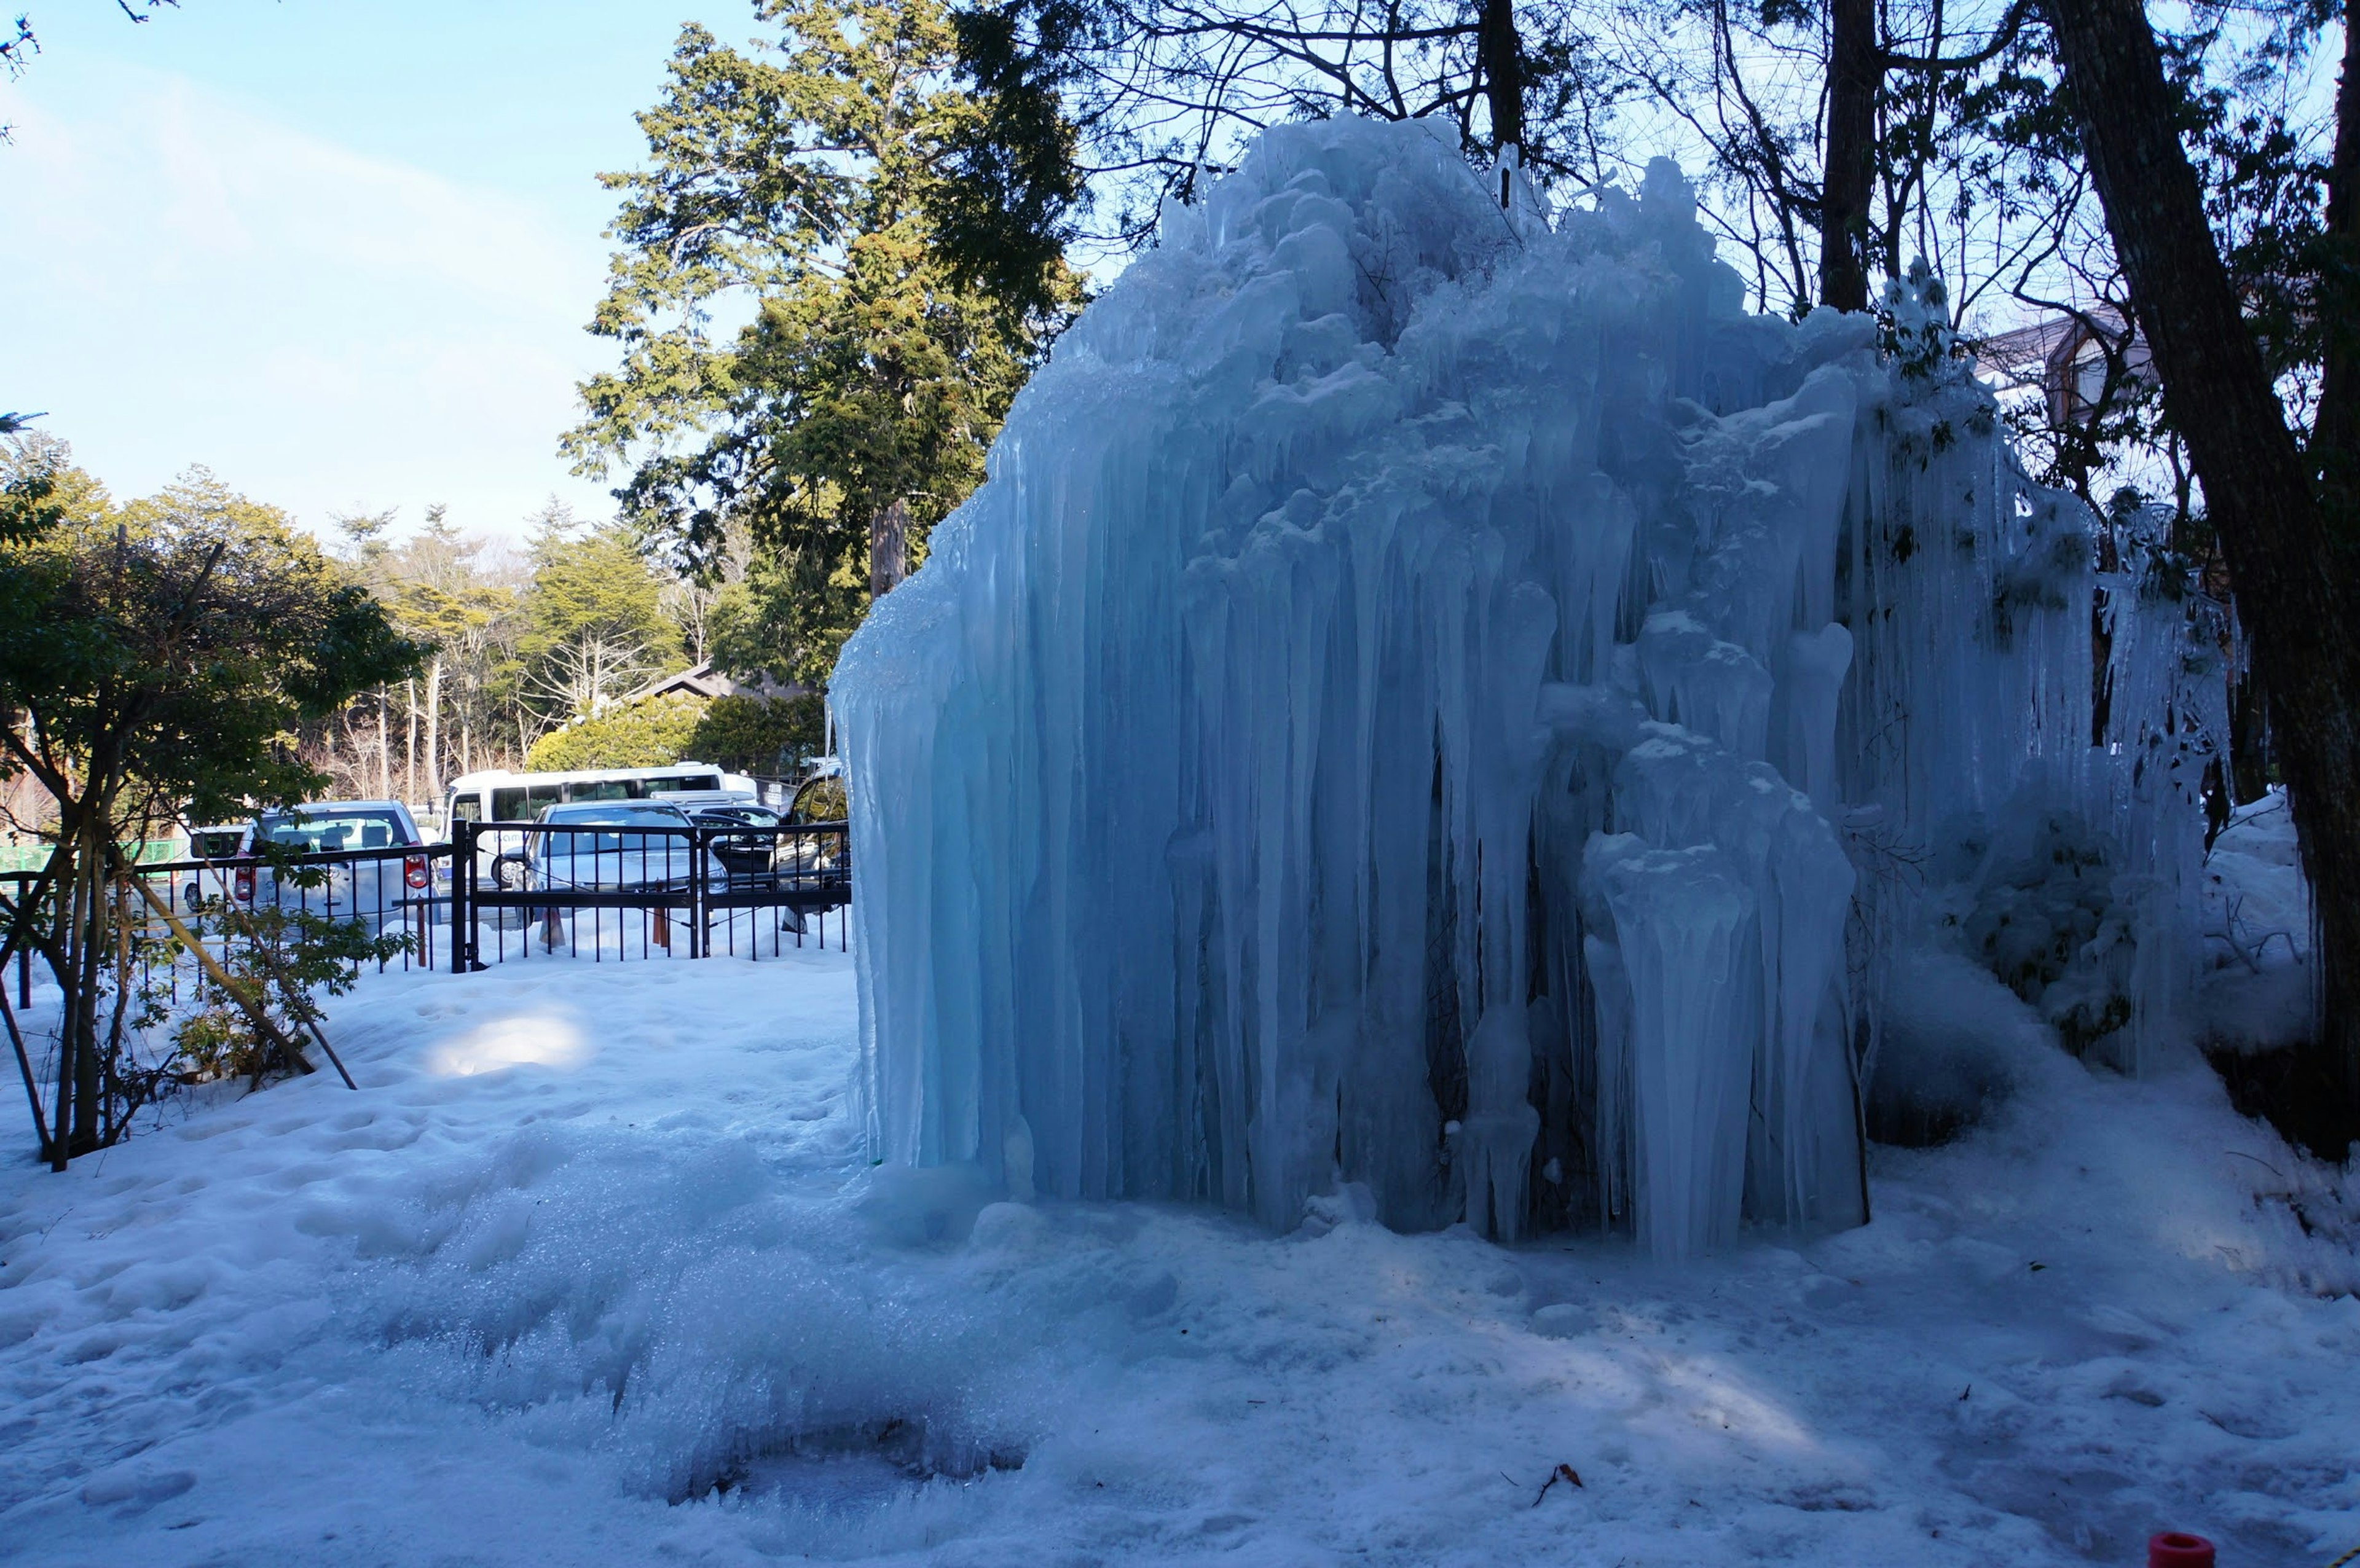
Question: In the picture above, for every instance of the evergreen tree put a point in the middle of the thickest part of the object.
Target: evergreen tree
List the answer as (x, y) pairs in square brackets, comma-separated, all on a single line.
[(593, 625), (852, 411)]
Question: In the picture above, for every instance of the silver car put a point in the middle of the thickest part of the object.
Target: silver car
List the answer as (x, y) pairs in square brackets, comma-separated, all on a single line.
[(613, 860), (606, 847), (378, 888)]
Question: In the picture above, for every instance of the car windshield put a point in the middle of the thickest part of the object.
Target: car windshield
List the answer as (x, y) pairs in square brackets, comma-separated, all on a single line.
[(335, 828), (747, 816)]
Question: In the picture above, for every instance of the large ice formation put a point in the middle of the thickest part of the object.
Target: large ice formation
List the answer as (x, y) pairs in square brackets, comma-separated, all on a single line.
[(1440, 699)]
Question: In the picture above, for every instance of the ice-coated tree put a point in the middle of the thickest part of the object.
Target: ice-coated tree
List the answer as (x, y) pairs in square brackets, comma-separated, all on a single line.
[(792, 191), (2283, 493)]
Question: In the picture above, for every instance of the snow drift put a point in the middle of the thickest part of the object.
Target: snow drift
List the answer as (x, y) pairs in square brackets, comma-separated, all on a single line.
[(1437, 700)]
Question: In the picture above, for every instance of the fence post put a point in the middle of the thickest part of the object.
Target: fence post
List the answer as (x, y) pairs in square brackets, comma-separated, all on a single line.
[(463, 876), (700, 935)]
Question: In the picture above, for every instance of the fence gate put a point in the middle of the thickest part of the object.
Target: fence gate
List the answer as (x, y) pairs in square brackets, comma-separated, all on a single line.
[(612, 892)]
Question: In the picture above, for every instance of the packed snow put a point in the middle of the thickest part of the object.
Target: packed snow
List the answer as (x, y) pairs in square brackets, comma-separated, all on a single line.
[(1405, 838), (1439, 698), (594, 1269)]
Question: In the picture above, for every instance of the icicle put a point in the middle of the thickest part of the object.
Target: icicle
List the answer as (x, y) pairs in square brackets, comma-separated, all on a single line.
[(1384, 714)]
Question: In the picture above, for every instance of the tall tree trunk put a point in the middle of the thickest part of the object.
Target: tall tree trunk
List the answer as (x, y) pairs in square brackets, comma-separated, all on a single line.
[(90, 956), (2294, 584), (409, 747), (2335, 438), (433, 728), (1848, 179), (66, 889), (383, 748), (888, 548), (1500, 60)]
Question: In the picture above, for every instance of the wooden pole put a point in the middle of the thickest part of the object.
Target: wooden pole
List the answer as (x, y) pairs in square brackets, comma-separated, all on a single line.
[(261, 952), (255, 1012), (25, 1066)]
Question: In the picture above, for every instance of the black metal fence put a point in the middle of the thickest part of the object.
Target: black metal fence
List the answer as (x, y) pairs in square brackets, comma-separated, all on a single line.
[(393, 892), (517, 890), (644, 889)]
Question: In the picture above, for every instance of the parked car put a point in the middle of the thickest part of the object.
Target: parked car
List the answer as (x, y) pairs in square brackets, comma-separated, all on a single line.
[(378, 890), (609, 849), (617, 861), (222, 841), (821, 798), (748, 851)]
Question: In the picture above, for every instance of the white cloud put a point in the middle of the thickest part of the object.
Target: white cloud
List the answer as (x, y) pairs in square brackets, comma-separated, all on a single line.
[(195, 281)]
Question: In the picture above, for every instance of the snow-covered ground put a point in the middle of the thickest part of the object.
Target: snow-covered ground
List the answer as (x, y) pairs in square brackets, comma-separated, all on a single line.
[(2256, 921), (591, 1271)]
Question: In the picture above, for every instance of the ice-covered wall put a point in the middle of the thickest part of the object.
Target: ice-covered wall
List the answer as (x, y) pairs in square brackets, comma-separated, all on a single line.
[(1421, 701)]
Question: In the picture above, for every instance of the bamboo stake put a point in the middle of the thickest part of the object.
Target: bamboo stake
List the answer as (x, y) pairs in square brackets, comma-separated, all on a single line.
[(262, 954), (25, 1066), (254, 1010)]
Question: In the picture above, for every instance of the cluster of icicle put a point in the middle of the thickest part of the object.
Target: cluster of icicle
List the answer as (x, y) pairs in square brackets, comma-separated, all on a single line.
[(1421, 701)]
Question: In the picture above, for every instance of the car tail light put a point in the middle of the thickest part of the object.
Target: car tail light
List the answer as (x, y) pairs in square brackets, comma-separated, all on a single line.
[(246, 884), (413, 871)]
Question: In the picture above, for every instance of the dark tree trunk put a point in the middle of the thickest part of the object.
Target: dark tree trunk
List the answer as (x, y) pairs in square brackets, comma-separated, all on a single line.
[(2249, 746), (889, 549), (1500, 57), (2294, 583), (1855, 75), (2334, 440), (66, 894), (91, 952)]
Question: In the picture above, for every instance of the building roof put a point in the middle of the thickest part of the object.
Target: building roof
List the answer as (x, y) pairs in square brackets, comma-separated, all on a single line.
[(703, 680)]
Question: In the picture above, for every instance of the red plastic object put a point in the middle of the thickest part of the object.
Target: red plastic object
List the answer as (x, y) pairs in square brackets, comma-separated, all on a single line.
[(244, 881), (2176, 1549), (413, 871)]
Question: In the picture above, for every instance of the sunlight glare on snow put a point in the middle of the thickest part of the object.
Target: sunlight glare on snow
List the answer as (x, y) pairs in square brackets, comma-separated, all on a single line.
[(1716, 1396), (1711, 1392), (530, 1040)]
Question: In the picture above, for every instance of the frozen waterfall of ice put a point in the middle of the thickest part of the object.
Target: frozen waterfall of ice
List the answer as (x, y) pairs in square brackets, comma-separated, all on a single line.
[(1421, 701)]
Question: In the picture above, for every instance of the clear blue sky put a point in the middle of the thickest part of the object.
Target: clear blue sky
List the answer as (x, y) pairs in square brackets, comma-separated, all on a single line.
[(340, 251)]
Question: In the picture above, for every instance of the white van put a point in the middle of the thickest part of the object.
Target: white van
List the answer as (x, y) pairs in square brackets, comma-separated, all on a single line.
[(501, 796)]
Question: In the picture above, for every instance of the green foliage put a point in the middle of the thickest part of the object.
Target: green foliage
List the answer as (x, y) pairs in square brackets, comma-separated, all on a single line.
[(444, 607), (216, 1040), (780, 620), (163, 657), (592, 623), (646, 734), (591, 583), (757, 734), (866, 388), (288, 956), (170, 649), (1006, 210)]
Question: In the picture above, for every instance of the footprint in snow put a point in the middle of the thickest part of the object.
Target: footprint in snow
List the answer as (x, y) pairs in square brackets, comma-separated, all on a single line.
[(136, 1491)]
